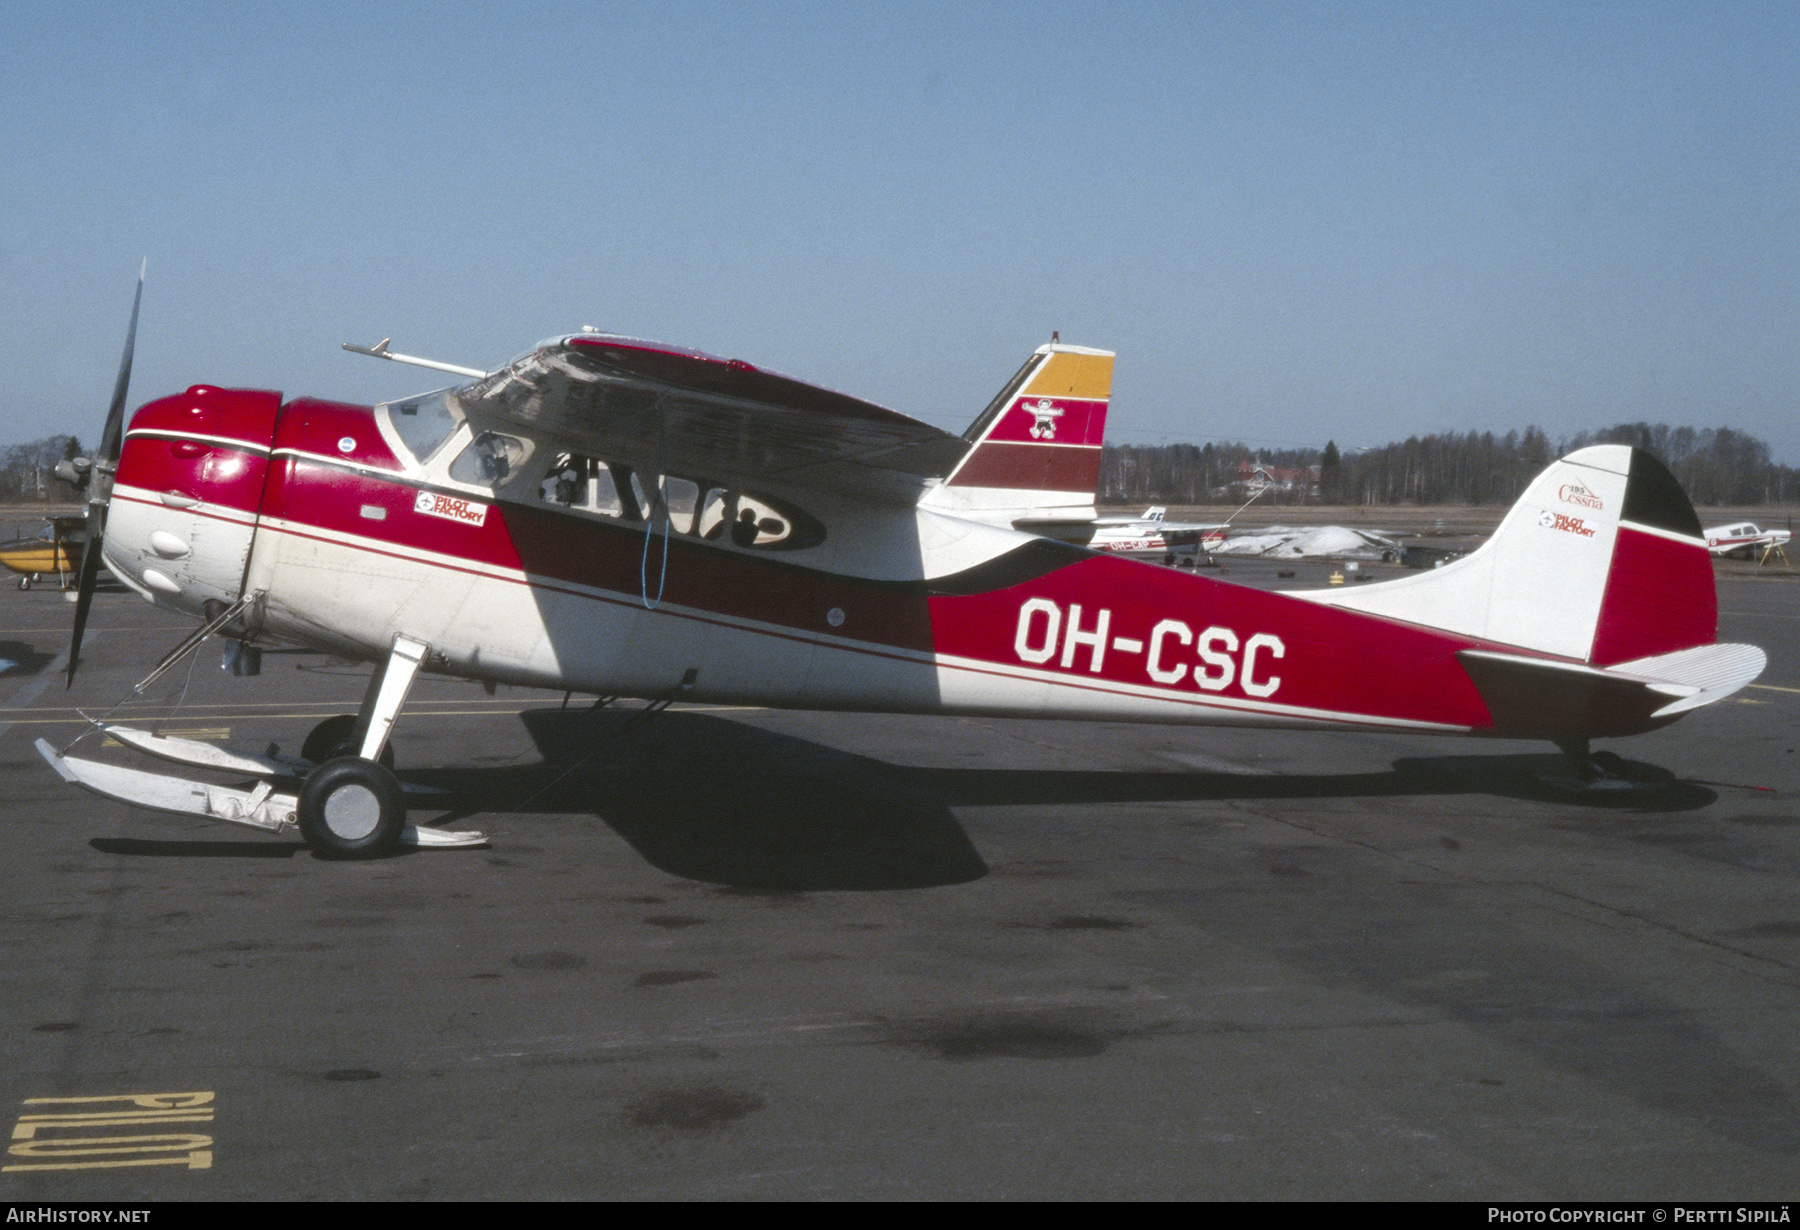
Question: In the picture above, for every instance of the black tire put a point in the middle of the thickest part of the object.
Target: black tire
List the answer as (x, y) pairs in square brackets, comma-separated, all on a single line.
[(335, 737), (351, 807), (25, 582)]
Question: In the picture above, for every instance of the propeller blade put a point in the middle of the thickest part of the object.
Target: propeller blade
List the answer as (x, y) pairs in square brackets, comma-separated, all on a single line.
[(100, 484), (84, 587), (115, 416)]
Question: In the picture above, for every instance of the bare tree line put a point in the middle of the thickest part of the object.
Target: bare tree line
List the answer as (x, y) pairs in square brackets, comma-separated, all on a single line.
[(26, 471), (1717, 465)]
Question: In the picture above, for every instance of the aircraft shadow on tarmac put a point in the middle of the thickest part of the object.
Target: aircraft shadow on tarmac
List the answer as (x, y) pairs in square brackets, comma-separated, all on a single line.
[(711, 799), (18, 658)]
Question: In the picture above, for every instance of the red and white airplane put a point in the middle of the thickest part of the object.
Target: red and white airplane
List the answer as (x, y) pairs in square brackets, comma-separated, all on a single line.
[(1743, 539), (618, 517), (1151, 534)]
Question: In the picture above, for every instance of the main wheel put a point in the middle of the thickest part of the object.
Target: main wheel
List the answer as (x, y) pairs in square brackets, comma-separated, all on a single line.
[(351, 806), (25, 581), (336, 736)]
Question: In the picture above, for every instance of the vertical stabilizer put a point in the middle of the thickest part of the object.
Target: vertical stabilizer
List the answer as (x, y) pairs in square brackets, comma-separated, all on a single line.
[(1035, 451), (1601, 560)]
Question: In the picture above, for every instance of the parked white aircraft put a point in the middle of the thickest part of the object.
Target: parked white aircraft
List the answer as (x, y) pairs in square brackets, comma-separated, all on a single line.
[(1150, 534), (1743, 539)]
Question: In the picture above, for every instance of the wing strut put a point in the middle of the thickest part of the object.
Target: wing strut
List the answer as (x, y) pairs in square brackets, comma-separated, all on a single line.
[(380, 351)]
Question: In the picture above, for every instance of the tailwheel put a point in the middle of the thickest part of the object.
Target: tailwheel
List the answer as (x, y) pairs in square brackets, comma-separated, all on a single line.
[(351, 807), (1594, 774), (335, 737)]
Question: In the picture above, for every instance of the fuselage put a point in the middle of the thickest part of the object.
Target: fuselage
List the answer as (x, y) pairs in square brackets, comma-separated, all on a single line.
[(520, 563)]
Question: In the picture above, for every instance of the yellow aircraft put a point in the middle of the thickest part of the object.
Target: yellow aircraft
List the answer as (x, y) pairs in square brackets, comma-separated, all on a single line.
[(55, 549)]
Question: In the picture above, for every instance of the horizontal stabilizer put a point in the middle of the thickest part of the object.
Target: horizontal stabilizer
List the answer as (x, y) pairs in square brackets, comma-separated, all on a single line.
[(1544, 698), (1704, 674)]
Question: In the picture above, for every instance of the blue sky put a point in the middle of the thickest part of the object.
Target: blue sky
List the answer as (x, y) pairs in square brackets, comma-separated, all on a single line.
[(1294, 222)]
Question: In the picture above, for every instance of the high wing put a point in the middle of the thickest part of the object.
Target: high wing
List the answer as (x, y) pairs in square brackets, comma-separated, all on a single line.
[(1152, 520), (681, 411), (1149, 517), (1190, 527), (1147, 532)]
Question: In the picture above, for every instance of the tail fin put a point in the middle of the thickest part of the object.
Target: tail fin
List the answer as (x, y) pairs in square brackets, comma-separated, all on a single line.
[(1035, 451), (1602, 560)]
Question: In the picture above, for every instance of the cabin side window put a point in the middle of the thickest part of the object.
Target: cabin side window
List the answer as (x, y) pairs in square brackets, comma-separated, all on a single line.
[(696, 509), (681, 497), (589, 484), (489, 460), (744, 521)]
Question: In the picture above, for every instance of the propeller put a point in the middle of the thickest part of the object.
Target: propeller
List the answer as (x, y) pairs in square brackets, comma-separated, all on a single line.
[(99, 492)]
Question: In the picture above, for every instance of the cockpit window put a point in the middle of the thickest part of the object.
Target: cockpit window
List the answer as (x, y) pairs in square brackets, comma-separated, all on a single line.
[(422, 423), (489, 460), (694, 508)]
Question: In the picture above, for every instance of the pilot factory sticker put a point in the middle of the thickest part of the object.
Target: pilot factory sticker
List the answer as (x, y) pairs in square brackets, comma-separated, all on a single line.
[(1568, 525), (450, 508)]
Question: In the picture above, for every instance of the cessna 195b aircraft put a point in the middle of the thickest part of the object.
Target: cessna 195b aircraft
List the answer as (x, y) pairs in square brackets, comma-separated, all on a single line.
[(618, 517)]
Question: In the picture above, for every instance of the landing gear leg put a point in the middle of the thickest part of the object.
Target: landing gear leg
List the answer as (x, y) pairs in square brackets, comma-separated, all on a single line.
[(1581, 758), (352, 805), (388, 688), (1596, 770)]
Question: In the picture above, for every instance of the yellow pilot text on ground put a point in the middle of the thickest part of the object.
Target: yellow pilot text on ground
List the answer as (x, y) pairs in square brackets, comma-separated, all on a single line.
[(37, 1135)]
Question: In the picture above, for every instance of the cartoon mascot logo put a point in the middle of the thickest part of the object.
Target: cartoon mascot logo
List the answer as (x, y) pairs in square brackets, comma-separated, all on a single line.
[(1045, 414)]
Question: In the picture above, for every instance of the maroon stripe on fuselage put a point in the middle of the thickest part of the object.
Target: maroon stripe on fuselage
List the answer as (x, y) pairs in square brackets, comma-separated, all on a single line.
[(1330, 659), (714, 578), (551, 546), (1031, 467)]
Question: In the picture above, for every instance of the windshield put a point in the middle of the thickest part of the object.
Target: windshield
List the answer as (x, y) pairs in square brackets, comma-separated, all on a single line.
[(422, 423)]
